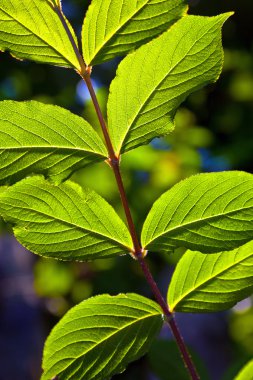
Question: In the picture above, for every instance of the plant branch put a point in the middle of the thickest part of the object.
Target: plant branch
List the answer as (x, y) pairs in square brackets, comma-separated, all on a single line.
[(86, 77), (85, 72), (114, 163), (61, 16), (138, 252), (170, 320)]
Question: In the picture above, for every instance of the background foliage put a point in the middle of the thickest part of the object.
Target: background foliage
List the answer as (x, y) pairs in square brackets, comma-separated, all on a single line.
[(214, 133)]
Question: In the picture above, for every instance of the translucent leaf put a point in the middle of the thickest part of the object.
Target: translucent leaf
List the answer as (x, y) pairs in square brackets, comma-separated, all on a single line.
[(100, 336), (208, 212), (152, 82), (40, 138), (246, 373), (208, 283), (32, 29), (114, 27), (64, 222)]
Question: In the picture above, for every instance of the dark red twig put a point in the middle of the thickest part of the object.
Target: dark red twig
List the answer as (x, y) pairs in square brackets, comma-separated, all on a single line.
[(137, 252)]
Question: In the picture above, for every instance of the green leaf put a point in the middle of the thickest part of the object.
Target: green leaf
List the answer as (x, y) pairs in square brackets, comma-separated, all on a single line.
[(208, 212), (239, 360), (40, 138), (3, 189), (32, 29), (100, 336), (114, 27), (63, 222), (152, 82), (208, 283), (246, 373), (166, 362)]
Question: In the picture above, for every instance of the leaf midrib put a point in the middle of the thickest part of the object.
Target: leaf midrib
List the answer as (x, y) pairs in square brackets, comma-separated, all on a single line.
[(110, 36), (50, 147), (151, 93), (212, 217), (39, 37), (107, 338), (68, 223), (200, 284)]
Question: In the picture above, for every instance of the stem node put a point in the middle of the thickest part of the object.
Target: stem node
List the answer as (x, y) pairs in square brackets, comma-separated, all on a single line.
[(113, 162), (138, 252)]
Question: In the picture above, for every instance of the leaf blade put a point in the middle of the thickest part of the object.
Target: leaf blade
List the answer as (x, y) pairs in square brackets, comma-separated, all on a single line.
[(114, 27), (208, 212), (152, 82), (164, 354), (246, 372), (35, 31), (63, 222), (125, 324), (208, 283), (44, 139)]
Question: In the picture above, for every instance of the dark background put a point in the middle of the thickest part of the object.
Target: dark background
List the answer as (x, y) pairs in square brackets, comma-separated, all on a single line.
[(214, 132)]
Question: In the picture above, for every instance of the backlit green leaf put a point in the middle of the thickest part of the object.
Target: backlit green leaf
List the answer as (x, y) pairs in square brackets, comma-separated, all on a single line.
[(114, 27), (99, 337), (208, 283), (40, 138), (208, 212), (64, 222), (246, 373), (152, 82), (32, 29)]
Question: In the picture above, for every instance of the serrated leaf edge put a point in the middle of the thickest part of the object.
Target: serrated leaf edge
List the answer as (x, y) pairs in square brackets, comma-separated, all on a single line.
[(200, 284)]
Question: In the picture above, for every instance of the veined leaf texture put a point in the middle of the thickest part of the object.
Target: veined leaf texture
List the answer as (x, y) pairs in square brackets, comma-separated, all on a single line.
[(99, 337), (64, 222), (32, 29), (209, 283), (44, 139), (209, 212), (153, 81), (113, 28)]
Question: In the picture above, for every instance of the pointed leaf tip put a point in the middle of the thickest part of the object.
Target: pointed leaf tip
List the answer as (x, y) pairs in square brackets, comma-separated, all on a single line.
[(153, 81)]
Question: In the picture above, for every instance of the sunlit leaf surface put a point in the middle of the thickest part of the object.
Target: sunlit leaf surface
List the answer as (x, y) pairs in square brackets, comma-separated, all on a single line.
[(32, 29), (40, 138), (100, 336), (114, 27), (208, 283), (209, 212), (64, 222), (152, 82)]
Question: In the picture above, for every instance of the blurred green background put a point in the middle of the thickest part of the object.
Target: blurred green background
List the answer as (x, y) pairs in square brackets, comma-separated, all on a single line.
[(214, 132)]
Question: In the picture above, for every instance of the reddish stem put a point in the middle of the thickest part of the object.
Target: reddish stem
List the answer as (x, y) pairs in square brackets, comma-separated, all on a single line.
[(138, 252), (114, 163), (61, 16), (169, 317), (86, 77), (183, 350), (133, 233)]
